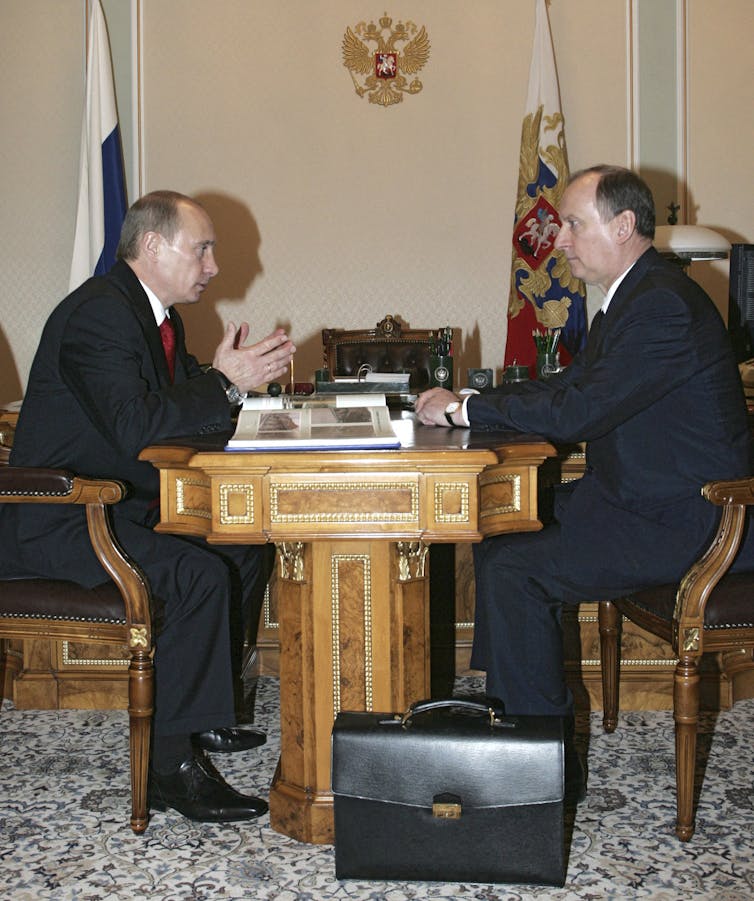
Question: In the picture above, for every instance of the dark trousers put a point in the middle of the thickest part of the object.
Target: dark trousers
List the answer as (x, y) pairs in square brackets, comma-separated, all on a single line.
[(518, 639), (206, 598), (523, 580)]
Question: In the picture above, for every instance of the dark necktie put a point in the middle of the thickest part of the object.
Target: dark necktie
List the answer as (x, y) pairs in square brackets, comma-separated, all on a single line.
[(593, 338), (594, 328), (167, 333)]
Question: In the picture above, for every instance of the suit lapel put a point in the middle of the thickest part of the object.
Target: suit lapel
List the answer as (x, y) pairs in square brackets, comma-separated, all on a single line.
[(626, 288), (603, 326), (180, 346), (130, 287)]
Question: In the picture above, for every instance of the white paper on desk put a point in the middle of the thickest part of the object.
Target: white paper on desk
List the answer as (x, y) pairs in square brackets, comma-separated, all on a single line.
[(394, 378), (360, 400), (263, 403)]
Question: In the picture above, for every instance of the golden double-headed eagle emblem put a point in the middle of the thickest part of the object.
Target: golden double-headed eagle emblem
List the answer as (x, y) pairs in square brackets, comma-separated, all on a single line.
[(383, 72)]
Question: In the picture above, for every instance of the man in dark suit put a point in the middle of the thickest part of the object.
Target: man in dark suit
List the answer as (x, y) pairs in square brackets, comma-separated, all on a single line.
[(104, 385), (657, 398)]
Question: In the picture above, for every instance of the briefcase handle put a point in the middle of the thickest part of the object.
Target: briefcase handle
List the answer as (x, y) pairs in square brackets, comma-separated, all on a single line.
[(419, 707)]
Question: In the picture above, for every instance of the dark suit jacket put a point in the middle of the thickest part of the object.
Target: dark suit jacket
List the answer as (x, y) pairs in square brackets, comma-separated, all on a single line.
[(657, 397), (98, 393)]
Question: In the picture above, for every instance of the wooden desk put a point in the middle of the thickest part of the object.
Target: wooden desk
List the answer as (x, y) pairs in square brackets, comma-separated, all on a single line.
[(352, 529)]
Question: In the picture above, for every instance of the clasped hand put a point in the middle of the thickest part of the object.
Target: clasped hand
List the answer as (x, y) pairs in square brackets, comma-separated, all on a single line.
[(266, 361), (430, 406)]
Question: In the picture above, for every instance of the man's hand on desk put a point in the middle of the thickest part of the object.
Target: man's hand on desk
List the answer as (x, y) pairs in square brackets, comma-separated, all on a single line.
[(431, 408)]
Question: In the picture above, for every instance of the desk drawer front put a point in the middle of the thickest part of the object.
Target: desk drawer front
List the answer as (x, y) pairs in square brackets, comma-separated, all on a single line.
[(336, 500), (508, 500)]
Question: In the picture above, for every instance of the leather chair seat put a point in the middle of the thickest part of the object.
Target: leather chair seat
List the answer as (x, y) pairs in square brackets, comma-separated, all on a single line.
[(57, 599), (730, 605)]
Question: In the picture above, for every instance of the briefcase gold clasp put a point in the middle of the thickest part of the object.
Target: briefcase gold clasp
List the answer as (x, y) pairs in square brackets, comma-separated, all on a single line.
[(446, 811)]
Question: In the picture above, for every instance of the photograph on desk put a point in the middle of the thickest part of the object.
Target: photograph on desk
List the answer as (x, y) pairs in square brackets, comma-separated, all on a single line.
[(340, 423)]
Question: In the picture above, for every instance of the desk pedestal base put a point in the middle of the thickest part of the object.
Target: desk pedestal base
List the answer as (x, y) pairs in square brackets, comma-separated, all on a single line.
[(354, 635)]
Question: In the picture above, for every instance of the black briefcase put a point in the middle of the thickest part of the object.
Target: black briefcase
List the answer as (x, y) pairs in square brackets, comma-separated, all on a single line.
[(450, 791)]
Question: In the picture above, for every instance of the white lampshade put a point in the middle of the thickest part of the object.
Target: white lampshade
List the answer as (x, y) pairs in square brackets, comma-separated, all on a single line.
[(691, 242)]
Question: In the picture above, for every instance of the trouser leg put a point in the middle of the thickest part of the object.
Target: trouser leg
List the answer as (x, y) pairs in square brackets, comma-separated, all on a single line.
[(517, 635), (193, 673), (195, 589), (250, 568), (255, 572)]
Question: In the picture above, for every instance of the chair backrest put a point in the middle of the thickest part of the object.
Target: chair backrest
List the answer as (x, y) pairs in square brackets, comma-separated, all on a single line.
[(388, 347)]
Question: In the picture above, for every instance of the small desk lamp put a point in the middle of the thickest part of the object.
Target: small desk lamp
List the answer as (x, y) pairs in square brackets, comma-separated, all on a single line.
[(685, 243)]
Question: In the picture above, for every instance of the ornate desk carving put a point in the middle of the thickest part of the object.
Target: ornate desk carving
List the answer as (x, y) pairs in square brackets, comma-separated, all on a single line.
[(352, 531)]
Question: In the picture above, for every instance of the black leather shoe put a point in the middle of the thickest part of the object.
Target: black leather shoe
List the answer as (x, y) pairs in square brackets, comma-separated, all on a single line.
[(227, 740), (200, 793)]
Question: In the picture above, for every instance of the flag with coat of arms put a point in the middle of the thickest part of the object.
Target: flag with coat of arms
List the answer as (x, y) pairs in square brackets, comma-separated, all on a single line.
[(544, 295), (102, 193)]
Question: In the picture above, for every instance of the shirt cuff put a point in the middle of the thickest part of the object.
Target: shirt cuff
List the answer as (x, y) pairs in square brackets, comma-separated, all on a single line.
[(466, 393)]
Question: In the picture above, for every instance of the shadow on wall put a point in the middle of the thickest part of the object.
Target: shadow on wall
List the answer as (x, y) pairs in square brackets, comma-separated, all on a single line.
[(714, 278), (238, 241), (308, 356), (470, 357), (10, 384)]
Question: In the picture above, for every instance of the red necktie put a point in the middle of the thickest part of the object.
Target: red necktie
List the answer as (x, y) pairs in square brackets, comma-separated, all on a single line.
[(167, 333)]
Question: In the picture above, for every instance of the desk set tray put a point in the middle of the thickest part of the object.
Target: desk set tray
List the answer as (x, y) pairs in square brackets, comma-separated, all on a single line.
[(450, 791)]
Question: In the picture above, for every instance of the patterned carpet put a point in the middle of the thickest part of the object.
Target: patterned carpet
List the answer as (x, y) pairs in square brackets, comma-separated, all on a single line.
[(64, 805)]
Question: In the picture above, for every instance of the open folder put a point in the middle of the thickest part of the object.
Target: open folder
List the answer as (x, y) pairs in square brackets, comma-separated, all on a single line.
[(341, 422)]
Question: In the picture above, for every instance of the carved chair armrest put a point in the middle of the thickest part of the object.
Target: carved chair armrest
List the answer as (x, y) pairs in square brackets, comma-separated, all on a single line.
[(31, 485), (738, 491), (734, 496), (7, 432)]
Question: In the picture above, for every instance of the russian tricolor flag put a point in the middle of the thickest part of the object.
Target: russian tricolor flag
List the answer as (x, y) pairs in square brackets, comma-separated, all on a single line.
[(102, 193)]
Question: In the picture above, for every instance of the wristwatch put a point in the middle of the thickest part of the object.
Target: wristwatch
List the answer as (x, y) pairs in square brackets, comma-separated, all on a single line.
[(449, 411), (231, 391)]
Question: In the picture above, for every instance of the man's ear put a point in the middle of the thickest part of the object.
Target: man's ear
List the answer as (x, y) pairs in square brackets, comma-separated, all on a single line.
[(624, 226), (151, 243)]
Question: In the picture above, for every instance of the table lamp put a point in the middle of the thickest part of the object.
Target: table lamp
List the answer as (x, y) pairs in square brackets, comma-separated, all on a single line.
[(685, 243)]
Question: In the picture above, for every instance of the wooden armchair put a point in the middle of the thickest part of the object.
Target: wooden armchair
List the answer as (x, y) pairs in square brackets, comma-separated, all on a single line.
[(117, 611), (710, 611), (7, 431), (388, 347)]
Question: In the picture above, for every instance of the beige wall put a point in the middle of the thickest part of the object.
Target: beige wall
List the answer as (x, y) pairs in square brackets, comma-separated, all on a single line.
[(721, 127), (351, 210), (41, 72), (331, 211)]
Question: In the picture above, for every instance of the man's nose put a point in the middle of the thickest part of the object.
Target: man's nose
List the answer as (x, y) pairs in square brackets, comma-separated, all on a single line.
[(560, 238), (210, 264)]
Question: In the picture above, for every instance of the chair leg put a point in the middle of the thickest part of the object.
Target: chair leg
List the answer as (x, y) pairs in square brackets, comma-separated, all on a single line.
[(686, 715), (610, 622), (140, 710)]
